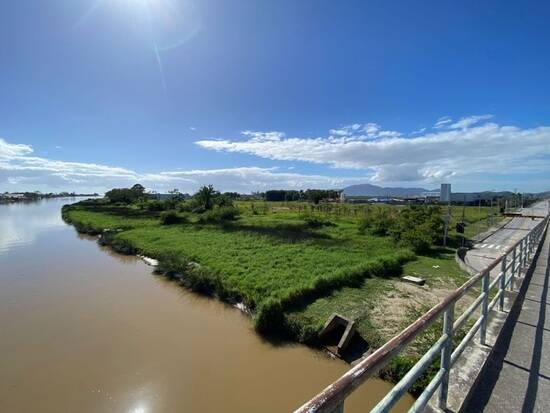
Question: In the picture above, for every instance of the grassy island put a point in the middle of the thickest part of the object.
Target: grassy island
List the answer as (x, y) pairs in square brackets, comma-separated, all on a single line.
[(291, 264)]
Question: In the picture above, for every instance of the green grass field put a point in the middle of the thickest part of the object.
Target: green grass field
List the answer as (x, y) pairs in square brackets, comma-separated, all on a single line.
[(292, 275), (258, 258)]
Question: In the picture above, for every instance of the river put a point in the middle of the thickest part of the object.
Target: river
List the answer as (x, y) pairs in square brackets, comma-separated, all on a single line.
[(87, 330)]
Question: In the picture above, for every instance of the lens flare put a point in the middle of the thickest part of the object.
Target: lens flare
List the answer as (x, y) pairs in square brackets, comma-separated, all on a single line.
[(162, 24), (169, 23)]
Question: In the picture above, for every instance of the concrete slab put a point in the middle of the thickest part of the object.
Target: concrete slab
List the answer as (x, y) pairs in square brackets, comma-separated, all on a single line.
[(413, 280), (334, 323)]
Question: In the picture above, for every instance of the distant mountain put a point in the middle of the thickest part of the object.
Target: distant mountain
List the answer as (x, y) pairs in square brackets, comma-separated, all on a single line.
[(374, 190)]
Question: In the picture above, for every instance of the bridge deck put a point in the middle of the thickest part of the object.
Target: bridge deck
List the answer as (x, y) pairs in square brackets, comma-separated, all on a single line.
[(517, 375)]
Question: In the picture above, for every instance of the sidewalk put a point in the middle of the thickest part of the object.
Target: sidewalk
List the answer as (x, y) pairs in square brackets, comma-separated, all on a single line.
[(517, 375)]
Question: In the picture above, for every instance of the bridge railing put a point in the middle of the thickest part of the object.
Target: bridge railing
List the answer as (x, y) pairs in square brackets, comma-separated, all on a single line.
[(511, 263)]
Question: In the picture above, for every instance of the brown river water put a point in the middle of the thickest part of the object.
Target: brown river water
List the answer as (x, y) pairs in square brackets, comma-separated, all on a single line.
[(85, 330)]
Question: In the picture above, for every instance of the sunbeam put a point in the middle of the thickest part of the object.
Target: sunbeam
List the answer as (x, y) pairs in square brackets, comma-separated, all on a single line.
[(166, 24), (161, 70), (93, 8)]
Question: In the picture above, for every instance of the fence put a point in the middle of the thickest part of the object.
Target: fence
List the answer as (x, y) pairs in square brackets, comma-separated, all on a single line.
[(511, 262)]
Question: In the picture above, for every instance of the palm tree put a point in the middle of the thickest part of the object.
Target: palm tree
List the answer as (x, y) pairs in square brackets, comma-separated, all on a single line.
[(205, 197)]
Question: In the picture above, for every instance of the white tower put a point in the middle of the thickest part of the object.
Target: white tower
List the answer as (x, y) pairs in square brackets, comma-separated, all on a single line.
[(445, 193)]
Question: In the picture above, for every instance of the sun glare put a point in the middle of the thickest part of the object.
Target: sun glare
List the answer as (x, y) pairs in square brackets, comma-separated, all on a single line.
[(161, 25), (140, 3)]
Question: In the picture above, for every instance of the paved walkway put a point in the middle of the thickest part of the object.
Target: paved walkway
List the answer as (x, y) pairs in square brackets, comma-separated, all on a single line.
[(517, 375), (483, 253)]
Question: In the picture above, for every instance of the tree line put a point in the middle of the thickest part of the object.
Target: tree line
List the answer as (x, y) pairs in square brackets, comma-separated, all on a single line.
[(137, 192), (311, 195)]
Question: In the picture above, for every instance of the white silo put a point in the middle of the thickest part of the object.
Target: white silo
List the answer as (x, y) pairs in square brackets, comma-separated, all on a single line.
[(445, 193)]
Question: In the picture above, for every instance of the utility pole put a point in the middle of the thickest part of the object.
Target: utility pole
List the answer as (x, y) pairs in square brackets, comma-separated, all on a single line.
[(491, 213), (521, 200), (446, 220), (462, 221)]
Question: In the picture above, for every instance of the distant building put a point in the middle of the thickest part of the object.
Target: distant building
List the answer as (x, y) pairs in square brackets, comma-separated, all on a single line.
[(472, 197), (445, 193), (429, 196)]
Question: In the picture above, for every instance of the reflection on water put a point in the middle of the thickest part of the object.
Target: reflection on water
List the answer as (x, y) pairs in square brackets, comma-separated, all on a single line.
[(86, 330), (21, 222)]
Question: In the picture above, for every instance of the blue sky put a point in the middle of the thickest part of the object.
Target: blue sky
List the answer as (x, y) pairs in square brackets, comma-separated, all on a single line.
[(252, 95)]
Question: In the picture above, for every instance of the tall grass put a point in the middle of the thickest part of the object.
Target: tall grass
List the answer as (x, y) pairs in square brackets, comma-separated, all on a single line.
[(271, 263)]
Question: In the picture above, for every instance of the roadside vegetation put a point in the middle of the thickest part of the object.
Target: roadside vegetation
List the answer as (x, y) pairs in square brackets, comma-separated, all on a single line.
[(292, 264)]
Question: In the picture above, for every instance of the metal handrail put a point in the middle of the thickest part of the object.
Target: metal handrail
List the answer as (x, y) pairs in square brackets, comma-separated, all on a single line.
[(331, 399)]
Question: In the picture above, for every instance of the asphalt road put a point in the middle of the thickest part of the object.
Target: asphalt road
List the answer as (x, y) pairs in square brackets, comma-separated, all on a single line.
[(494, 246)]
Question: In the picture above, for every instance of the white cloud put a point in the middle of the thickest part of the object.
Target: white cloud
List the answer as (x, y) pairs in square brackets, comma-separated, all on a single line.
[(360, 131), (469, 121), (418, 131), (19, 170), (263, 136), (9, 150), (463, 148), (469, 150), (442, 122), (247, 179)]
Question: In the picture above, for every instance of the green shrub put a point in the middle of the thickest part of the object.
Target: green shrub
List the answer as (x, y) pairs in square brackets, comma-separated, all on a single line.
[(269, 317), (418, 239), (171, 262), (418, 227), (220, 214), (223, 200), (189, 205), (378, 222), (364, 224), (171, 217), (155, 206), (120, 245), (317, 222)]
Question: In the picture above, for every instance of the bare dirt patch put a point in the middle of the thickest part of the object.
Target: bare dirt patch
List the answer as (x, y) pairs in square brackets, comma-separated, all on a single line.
[(402, 305)]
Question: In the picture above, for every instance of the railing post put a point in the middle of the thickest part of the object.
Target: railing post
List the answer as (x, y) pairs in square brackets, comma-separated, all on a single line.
[(526, 254), (448, 320), (520, 258), (484, 308), (513, 266), (502, 283)]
